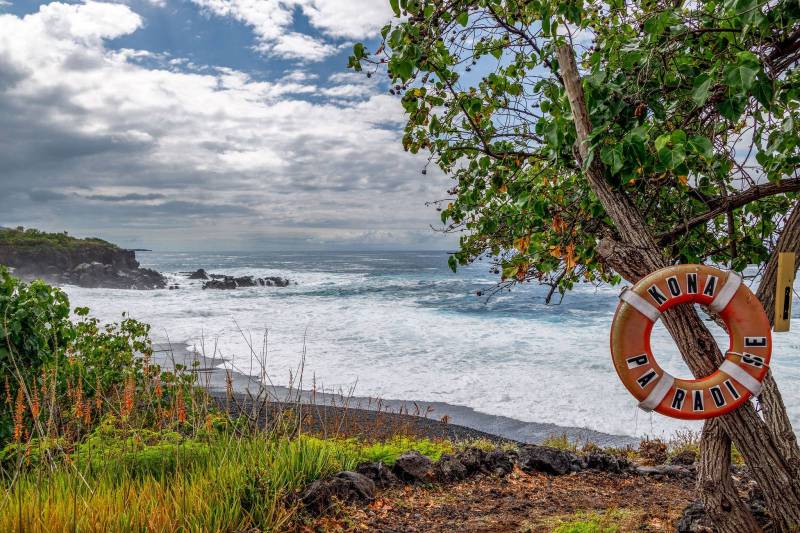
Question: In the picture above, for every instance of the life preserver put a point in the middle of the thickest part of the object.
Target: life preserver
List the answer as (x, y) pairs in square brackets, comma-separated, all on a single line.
[(746, 362)]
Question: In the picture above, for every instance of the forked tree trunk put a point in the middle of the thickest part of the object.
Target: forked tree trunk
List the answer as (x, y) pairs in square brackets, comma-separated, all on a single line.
[(771, 470)]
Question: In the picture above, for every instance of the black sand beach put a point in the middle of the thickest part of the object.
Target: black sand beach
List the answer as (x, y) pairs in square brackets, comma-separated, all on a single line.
[(432, 419)]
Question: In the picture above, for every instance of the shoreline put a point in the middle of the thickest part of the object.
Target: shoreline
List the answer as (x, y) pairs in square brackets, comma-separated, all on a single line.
[(438, 415)]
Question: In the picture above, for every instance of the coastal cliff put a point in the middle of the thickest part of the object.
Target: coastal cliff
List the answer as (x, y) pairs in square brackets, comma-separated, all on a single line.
[(60, 259)]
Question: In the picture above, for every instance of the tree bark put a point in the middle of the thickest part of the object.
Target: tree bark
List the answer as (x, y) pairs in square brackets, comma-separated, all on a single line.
[(716, 486), (773, 408), (750, 434)]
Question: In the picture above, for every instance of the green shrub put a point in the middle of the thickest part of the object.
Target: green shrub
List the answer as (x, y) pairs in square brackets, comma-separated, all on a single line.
[(138, 452)]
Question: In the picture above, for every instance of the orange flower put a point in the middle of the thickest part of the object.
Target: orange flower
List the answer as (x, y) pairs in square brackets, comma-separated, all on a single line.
[(35, 407), (181, 408), (129, 397), (79, 400), (87, 413), (19, 414)]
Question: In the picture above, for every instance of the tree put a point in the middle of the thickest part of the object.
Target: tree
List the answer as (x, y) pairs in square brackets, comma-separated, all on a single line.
[(603, 140)]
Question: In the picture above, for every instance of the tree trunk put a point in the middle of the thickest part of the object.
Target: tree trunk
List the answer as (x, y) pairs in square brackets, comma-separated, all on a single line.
[(716, 486), (773, 408), (719, 497), (749, 433)]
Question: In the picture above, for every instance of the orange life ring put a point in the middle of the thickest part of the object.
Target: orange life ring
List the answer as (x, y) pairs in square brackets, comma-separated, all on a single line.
[(746, 362)]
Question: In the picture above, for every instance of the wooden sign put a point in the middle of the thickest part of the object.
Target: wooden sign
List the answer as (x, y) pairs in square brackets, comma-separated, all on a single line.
[(783, 291)]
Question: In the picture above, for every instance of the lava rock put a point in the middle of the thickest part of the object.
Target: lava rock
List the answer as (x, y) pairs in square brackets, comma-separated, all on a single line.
[(695, 520), (499, 463), (226, 283), (219, 281), (553, 461), (347, 487), (198, 274), (605, 463), (413, 467), (382, 476), (448, 469), (474, 460)]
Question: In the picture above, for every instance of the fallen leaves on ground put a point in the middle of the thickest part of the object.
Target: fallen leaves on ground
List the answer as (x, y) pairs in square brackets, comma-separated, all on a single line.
[(520, 503)]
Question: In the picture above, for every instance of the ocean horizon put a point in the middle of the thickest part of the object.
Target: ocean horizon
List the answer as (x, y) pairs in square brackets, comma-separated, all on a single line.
[(401, 325)]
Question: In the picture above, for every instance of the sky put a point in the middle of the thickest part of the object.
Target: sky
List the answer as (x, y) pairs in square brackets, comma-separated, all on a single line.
[(206, 125)]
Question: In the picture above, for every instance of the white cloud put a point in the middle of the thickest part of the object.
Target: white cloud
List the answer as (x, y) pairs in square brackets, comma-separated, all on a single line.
[(188, 149), (354, 19), (272, 22)]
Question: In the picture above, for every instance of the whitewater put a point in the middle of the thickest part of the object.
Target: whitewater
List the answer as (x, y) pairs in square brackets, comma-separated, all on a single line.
[(401, 325)]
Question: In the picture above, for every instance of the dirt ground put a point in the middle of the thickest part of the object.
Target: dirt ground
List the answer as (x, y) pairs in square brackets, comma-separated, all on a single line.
[(521, 503)]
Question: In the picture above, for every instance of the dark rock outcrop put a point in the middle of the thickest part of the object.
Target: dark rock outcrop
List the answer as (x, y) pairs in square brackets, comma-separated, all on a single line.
[(378, 473), (219, 281), (413, 467), (499, 463), (473, 459), (90, 263), (553, 461), (695, 519), (448, 469), (346, 487), (605, 462), (198, 274)]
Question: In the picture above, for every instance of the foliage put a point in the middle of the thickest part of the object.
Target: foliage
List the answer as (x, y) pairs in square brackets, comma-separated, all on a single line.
[(561, 442), (694, 108), (21, 237), (62, 375), (387, 452)]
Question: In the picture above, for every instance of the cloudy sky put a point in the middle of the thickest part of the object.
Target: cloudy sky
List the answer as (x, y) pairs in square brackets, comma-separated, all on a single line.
[(206, 125)]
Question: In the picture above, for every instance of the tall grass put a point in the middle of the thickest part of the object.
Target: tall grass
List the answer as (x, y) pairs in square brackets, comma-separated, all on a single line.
[(237, 483)]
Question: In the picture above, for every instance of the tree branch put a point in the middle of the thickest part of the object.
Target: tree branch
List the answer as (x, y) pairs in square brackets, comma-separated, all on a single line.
[(729, 203)]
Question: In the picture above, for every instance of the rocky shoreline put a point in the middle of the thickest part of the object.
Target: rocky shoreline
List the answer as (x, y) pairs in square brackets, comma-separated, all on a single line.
[(225, 282), (63, 260)]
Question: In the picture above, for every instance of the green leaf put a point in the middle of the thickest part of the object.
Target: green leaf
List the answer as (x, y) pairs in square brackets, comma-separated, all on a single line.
[(462, 18), (671, 157), (662, 141), (358, 50), (763, 92), (452, 262), (395, 4), (701, 145), (612, 157), (701, 91), (403, 69), (740, 76)]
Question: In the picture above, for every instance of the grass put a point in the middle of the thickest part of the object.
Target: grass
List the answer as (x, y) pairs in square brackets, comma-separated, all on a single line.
[(221, 483), (610, 521)]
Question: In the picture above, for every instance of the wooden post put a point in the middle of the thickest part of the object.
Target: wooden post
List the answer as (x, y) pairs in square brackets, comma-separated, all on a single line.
[(784, 287)]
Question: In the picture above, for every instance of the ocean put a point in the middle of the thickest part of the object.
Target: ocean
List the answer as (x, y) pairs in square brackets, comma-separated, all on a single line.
[(401, 325)]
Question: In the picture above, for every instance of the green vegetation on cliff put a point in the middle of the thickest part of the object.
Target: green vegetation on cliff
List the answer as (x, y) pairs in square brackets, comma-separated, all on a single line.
[(31, 237)]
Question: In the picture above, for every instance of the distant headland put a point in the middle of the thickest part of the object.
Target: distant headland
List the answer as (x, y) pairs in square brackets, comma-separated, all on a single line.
[(62, 259)]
